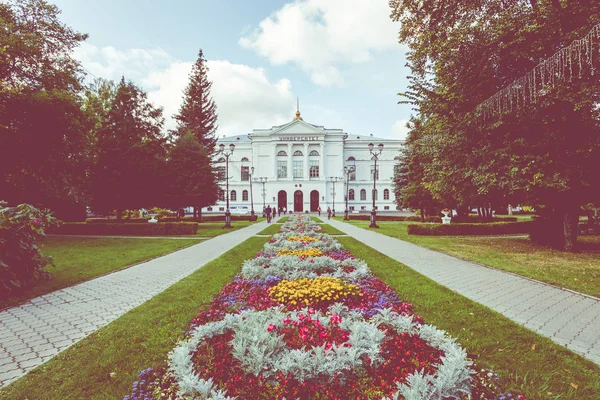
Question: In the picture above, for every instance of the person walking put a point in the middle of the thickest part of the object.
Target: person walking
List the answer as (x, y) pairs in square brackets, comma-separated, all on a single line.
[(328, 213), (279, 211), (268, 212), (274, 212), (319, 210)]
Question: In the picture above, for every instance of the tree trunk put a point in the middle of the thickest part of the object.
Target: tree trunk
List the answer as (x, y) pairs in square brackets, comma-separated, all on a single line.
[(422, 214), (118, 214), (479, 212), (509, 210), (570, 227), (195, 212), (199, 214)]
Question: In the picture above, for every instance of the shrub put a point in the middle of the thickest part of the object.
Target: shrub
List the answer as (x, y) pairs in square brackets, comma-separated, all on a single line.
[(143, 229), (498, 228), (395, 218), (475, 219), (21, 261)]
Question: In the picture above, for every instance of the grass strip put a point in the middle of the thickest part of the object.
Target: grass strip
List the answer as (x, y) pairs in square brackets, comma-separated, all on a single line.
[(282, 220), (331, 230), (104, 365), (525, 361), (79, 259), (317, 220), (270, 230), (212, 229), (575, 271)]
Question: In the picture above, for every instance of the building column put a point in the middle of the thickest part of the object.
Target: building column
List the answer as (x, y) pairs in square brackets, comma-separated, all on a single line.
[(321, 161), (274, 161), (290, 155), (306, 174)]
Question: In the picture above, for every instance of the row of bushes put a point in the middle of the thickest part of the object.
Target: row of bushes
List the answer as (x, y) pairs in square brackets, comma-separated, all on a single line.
[(142, 229), (475, 219), (497, 228), (366, 217), (208, 218)]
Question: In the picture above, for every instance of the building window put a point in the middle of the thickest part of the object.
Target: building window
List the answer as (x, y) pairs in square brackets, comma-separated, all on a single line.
[(314, 169), (220, 160), (245, 159), (386, 194), (352, 175), (282, 153), (313, 153), (233, 195), (351, 158), (298, 169), (351, 208), (351, 194), (245, 195), (372, 173), (282, 169), (374, 194), (221, 173), (246, 174), (221, 208), (221, 195), (298, 153), (363, 194), (363, 207), (386, 207)]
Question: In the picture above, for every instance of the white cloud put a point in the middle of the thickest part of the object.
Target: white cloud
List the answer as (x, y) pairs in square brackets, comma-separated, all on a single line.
[(321, 35), (399, 130), (245, 97)]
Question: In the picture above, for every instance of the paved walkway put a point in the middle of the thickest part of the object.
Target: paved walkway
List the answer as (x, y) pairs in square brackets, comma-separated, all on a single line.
[(568, 318), (35, 331)]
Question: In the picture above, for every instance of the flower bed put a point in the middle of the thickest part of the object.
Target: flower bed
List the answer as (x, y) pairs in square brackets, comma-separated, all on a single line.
[(309, 322)]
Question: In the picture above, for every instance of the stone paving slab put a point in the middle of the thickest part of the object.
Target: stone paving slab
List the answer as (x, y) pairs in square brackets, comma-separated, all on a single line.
[(35, 331), (568, 318)]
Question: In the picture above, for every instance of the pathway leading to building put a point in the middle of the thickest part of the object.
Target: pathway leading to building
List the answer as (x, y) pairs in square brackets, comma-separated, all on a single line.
[(568, 318), (35, 331)]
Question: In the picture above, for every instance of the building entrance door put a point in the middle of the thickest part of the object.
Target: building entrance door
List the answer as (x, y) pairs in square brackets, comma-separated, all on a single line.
[(298, 201), (314, 200), (281, 200)]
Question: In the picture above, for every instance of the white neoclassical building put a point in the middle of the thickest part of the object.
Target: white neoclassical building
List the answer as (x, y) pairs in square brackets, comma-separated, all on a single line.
[(299, 166)]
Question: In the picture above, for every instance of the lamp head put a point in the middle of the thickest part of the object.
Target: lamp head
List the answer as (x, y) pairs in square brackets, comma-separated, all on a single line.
[(380, 146), (232, 146), (251, 170), (221, 147), (371, 146)]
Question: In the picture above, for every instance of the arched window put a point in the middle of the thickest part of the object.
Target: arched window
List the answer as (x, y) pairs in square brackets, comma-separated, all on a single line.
[(233, 196), (298, 153), (245, 159), (221, 173), (221, 195), (351, 158), (282, 153), (374, 194), (363, 194), (313, 153), (386, 194), (351, 194), (221, 160), (245, 195)]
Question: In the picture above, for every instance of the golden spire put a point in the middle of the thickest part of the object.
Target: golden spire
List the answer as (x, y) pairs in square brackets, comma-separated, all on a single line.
[(297, 109)]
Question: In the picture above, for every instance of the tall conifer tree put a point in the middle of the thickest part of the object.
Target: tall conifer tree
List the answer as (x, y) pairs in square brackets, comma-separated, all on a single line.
[(198, 113)]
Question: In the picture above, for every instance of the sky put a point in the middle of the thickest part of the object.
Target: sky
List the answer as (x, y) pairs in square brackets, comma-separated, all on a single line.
[(341, 58)]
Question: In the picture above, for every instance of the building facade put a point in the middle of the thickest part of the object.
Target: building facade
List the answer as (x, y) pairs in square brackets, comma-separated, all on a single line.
[(300, 167)]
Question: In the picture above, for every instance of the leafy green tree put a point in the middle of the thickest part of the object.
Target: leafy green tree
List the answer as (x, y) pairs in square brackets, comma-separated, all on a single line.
[(130, 167), (42, 128), (531, 154), (190, 177)]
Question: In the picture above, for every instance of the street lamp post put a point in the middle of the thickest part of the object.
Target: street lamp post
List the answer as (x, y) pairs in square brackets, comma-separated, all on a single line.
[(375, 154), (334, 179), (251, 198), (348, 169), (227, 154), (263, 180)]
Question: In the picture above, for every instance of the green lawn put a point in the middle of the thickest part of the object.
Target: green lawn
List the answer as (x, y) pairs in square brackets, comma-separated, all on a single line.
[(282, 220), (331, 230), (270, 230), (577, 271), (80, 259), (212, 229), (317, 220), (106, 363), (525, 361)]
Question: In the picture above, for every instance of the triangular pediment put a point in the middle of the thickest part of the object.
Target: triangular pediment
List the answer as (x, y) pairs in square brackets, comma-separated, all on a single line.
[(297, 127)]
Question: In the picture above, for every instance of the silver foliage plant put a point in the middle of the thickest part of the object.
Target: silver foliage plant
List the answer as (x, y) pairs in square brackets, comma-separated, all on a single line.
[(280, 241), (263, 352), (292, 267)]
